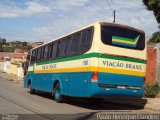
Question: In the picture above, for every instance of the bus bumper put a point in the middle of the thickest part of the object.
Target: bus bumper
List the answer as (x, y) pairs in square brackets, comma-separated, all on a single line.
[(103, 92)]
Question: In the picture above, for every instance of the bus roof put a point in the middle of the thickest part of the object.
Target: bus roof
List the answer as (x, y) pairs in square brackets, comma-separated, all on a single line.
[(101, 23), (65, 35), (121, 25)]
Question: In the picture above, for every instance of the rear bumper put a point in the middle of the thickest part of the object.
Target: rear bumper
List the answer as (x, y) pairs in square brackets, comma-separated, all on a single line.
[(103, 92), (117, 80)]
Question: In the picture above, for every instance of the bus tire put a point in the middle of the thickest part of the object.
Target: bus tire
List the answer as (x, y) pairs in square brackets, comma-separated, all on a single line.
[(31, 90), (57, 93)]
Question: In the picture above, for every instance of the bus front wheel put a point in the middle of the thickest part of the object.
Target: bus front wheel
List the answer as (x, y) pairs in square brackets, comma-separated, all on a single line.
[(57, 93)]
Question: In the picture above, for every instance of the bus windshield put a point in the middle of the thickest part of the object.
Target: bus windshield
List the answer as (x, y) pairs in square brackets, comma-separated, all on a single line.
[(122, 37)]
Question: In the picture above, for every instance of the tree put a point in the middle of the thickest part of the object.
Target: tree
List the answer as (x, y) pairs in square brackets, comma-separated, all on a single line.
[(28, 47), (155, 6), (155, 38), (2, 41), (24, 44), (1, 48)]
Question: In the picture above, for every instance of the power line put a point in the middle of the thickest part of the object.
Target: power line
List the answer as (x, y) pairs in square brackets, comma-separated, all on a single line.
[(109, 5), (114, 11)]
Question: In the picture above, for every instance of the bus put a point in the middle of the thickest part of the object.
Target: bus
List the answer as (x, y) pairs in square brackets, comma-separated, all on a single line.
[(98, 61)]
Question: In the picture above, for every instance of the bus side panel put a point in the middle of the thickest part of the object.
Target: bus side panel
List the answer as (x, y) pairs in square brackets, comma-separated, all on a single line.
[(43, 82), (49, 82), (35, 81), (76, 84), (72, 84)]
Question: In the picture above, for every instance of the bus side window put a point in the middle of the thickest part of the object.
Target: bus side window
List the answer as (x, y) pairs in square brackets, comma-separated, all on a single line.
[(75, 43), (42, 53), (26, 64), (28, 56), (39, 53), (33, 56), (86, 40), (54, 49), (58, 49), (46, 48), (49, 50), (79, 37), (69, 44), (89, 36), (62, 47)]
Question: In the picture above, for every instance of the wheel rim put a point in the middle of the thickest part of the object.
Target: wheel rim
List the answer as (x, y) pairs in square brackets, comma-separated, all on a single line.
[(30, 88), (57, 95)]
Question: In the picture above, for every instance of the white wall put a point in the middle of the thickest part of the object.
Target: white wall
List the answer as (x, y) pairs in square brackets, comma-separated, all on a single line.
[(2, 65)]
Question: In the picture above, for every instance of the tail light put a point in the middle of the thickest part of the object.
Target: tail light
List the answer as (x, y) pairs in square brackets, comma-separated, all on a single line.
[(94, 77)]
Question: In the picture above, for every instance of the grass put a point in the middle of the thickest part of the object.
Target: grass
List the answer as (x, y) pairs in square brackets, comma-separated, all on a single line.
[(152, 90)]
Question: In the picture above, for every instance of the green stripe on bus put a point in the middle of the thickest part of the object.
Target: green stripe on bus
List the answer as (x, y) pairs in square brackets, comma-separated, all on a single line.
[(126, 39), (123, 58), (90, 55)]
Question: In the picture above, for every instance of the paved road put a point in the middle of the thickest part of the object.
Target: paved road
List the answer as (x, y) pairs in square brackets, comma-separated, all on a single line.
[(14, 99)]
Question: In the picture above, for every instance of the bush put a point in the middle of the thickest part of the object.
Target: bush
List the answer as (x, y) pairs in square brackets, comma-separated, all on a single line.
[(152, 90)]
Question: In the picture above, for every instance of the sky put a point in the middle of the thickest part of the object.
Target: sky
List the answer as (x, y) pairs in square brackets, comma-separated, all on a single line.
[(44, 20)]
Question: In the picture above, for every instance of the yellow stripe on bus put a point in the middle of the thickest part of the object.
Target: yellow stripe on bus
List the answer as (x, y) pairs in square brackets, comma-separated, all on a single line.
[(88, 69), (123, 41), (121, 71)]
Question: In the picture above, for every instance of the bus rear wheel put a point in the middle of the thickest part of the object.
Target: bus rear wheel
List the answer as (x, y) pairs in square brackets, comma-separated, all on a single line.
[(57, 93), (32, 91)]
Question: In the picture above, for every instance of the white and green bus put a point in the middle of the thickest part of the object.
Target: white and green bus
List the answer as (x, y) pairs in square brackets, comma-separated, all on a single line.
[(99, 61)]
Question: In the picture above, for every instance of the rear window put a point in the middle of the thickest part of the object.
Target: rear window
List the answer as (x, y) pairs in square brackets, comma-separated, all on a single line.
[(122, 37)]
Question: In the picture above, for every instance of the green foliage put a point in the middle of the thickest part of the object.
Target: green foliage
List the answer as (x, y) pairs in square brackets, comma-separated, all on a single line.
[(152, 90), (5, 46), (24, 44), (28, 47), (155, 38), (1, 48), (8, 49), (2, 41), (155, 6)]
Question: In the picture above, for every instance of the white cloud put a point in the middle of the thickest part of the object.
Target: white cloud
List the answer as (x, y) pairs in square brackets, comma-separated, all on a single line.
[(127, 12), (32, 8), (65, 16)]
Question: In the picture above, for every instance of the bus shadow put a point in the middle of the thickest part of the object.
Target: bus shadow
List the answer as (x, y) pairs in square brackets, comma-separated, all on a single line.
[(106, 104)]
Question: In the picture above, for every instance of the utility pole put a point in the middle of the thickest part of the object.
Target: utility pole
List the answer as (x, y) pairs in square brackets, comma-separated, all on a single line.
[(114, 15)]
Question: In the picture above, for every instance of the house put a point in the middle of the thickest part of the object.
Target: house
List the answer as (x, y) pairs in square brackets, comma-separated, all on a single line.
[(13, 62), (35, 44), (20, 51)]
